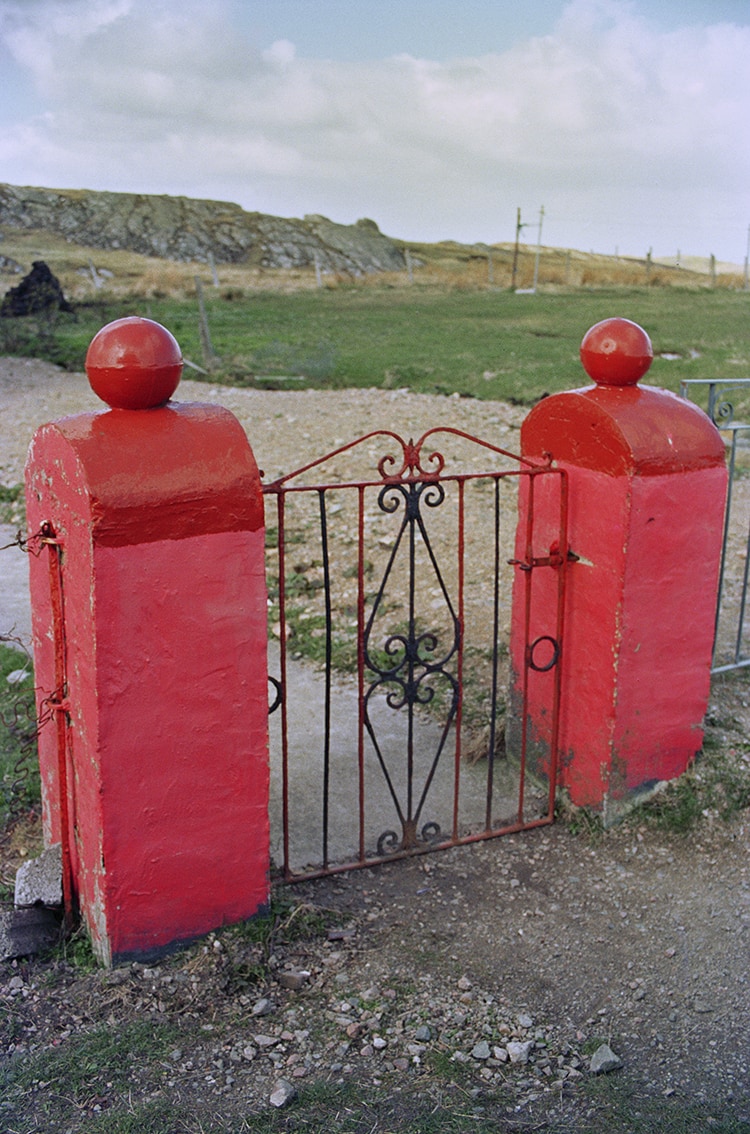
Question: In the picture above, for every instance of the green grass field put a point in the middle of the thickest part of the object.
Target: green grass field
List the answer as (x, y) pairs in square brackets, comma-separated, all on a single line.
[(481, 343)]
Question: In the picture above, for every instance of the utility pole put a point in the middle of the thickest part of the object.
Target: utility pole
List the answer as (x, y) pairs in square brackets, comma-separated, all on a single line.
[(747, 259), (514, 272), (538, 249)]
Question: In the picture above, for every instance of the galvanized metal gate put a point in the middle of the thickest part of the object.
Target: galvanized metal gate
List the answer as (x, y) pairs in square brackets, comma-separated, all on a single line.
[(390, 587), (732, 626)]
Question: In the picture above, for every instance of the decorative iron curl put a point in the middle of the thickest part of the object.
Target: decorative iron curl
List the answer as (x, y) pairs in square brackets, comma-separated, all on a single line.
[(437, 460), (432, 492), (437, 670), (391, 497), (405, 649), (390, 843), (412, 494), (409, 692), (722, 413), (397, 647), (412, 462)]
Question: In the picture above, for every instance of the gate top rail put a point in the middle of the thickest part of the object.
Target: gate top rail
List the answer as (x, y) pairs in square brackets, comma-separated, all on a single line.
[(720, 409), (413, 463)]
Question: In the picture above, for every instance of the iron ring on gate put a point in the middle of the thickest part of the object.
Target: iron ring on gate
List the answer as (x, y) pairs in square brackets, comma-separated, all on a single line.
[(553, 660), (277, 698)]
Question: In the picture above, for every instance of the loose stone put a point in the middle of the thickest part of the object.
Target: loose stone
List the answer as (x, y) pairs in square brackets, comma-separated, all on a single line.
[(283, 1093), (294, 980), (604, 1060), (518, 1051)]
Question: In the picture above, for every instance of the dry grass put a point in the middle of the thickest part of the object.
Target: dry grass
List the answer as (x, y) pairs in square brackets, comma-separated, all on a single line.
[(446, 265)]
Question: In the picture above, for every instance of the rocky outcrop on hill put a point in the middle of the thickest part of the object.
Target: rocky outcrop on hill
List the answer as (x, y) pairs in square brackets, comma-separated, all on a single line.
[(10, 266), (180, 228)]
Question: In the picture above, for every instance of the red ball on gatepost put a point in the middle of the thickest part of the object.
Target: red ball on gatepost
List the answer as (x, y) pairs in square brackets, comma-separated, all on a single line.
[(134, 364), (616, 352)]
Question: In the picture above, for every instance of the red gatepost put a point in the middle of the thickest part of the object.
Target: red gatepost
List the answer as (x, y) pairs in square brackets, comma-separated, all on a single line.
[(647, 482), (149, 635)]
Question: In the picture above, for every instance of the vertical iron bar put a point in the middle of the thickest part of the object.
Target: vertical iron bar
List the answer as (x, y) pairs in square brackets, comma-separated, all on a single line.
[(743, 604), (712, 392), (529, 552), (562, 579), (327, 706), (361, 667), (460, 656), (725, 539), (495, 661), (411, 648), (280, 506), (60, 707)]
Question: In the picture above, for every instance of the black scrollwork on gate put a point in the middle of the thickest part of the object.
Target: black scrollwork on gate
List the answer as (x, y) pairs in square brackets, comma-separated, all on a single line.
[(410, 664)]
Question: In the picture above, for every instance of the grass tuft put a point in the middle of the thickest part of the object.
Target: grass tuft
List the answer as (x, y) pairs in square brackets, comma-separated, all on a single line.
[(19, 769), (716, 786)]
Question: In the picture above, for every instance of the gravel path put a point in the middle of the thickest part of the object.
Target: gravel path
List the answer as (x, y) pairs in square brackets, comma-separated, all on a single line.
[(286, 428)]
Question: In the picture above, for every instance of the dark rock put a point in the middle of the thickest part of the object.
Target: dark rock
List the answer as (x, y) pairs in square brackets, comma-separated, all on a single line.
[(38, 293), (24, 933)]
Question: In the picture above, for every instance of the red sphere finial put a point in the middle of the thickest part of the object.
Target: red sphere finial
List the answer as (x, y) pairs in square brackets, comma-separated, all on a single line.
[(134, 363), (616, 352)]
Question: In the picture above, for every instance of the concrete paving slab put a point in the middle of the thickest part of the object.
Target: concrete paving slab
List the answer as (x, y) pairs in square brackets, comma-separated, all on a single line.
[(306, 774)]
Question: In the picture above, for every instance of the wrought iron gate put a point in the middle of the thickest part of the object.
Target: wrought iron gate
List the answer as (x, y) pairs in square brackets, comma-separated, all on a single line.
[(390, 593)]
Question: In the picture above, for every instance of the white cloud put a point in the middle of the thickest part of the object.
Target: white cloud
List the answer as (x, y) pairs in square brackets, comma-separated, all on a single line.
[(281, 52), (614, 124)]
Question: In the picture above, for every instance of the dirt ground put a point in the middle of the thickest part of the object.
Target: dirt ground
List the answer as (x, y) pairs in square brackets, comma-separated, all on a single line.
[(563, 938), (548, 940)]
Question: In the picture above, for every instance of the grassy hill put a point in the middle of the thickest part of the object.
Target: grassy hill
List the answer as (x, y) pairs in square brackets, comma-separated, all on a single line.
[(448, 324)]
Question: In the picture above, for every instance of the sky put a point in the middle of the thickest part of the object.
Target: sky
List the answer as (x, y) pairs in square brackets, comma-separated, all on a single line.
[(628, 121)]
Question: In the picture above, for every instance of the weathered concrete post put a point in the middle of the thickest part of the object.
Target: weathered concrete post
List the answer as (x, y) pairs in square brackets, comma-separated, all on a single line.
[(647, 484), (159, 660)]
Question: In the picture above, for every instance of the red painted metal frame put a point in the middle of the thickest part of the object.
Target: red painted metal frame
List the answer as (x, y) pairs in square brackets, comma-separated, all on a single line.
[(59, 706), (410, 471)]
